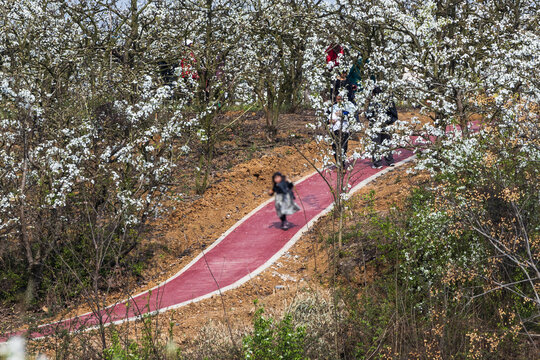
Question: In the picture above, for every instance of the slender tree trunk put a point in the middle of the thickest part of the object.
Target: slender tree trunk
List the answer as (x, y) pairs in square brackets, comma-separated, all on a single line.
[(272, 118), (461, 112), (205, 167), (32, 283), (272, 113), (31, 286)]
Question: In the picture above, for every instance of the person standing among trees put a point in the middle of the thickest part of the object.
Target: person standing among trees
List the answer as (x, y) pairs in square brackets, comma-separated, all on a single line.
[(333, 52), (342, 82), (354, 78), (381, 113), (339, 126)]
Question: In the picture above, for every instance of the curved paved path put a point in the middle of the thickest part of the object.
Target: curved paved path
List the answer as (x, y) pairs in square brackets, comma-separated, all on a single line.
[(244, 251)]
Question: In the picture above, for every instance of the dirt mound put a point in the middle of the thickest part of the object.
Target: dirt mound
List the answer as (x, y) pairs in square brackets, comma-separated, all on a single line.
[(194, 223)]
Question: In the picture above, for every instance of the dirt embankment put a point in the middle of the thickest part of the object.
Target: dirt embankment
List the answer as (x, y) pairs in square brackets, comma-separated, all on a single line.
[(193, 225), (305, 268)]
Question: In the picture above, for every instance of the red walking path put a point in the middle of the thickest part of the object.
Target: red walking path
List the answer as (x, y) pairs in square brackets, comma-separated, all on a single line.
[(244, 251)]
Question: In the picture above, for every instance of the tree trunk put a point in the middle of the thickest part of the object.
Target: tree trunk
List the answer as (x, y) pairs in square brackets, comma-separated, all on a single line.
[(205, 167), (461, 112), (294, 84), (30, 292), (271, 112), (272, 118), (32, 284)]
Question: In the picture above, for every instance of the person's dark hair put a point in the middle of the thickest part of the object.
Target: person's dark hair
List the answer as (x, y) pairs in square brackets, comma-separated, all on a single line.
[(277, 173)]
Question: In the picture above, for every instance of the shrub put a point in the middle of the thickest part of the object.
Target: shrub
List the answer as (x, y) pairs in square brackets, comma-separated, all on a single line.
[(271, 340)]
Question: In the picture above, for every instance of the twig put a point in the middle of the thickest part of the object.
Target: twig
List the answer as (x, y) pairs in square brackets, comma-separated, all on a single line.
[(382, 338)]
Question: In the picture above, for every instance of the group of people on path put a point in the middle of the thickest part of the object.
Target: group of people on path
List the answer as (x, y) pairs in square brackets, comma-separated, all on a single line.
[(381, 112), (344, 109)]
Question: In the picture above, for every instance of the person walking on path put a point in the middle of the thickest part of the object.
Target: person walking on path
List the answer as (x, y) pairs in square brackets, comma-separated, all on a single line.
[(284, 198), (381, 114), (339, 126)]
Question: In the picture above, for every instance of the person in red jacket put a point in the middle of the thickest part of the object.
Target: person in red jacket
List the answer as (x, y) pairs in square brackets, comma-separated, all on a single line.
[(188, 67), (332, 55)]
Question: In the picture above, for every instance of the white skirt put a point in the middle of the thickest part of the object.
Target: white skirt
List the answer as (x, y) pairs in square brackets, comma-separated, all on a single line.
[(285, 204)]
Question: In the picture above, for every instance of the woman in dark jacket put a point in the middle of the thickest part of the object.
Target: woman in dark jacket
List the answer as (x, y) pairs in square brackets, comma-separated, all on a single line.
[(284, 202)]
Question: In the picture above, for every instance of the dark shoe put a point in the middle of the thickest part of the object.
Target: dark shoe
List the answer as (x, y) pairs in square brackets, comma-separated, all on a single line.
[(284, 226), (376, 166), (392, 164)]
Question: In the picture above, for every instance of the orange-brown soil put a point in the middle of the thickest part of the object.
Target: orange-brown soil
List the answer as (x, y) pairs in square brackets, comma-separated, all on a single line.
[(305, 268), (238, 185), (240, 181)]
